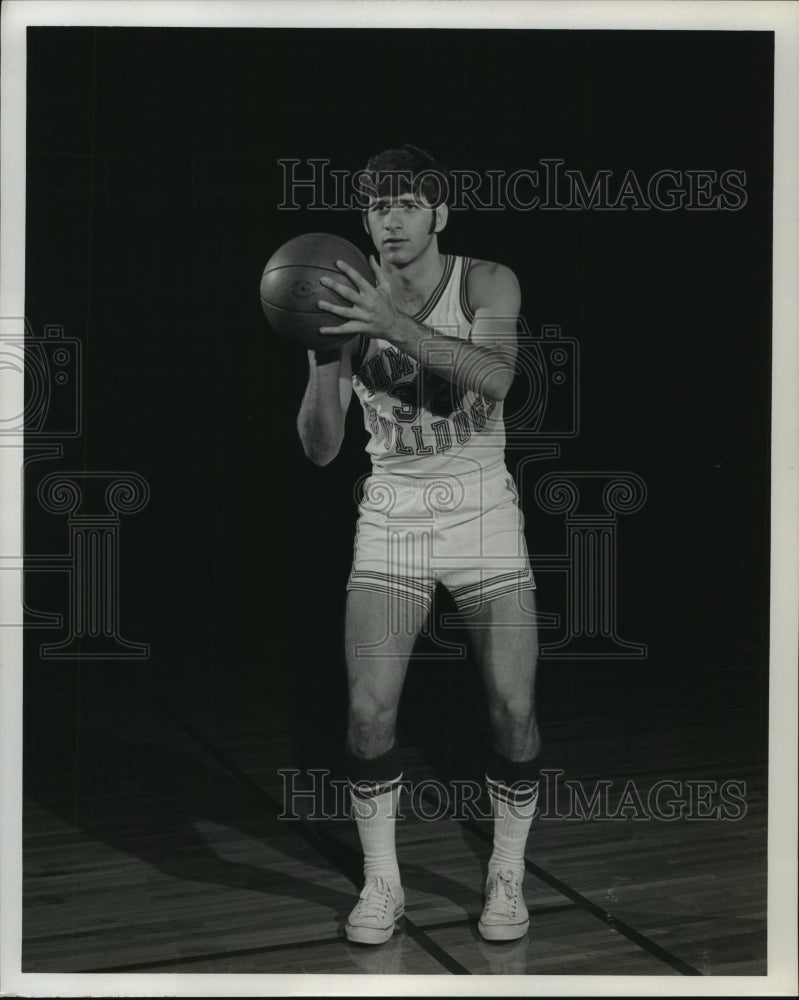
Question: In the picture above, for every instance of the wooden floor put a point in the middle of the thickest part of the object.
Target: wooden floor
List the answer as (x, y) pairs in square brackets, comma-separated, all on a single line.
[(153, 843)]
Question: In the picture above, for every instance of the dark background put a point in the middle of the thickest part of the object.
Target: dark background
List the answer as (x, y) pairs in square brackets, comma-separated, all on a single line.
[(151, 211)]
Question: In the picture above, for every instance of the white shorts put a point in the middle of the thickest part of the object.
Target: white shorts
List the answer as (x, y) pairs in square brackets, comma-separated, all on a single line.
[(465, 532)]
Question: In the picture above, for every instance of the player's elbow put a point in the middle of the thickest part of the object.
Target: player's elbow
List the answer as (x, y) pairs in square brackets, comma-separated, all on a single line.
[(320, 456), (320, 434), (320, 448)]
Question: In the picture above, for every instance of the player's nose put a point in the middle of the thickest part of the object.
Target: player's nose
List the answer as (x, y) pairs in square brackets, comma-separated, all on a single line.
[(393, 219)]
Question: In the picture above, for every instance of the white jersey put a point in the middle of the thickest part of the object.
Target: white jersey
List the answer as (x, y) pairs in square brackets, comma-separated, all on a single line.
[(419, 424)]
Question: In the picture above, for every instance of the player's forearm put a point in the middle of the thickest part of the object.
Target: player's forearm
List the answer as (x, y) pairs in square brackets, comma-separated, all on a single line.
[(469, 366), (320, 421)]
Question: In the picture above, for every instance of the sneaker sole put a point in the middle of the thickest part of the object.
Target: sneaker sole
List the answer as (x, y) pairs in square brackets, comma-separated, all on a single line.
[(503, 932), (371, 935)]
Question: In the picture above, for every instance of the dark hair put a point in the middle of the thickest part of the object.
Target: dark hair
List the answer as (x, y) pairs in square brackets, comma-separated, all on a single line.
[(408, 169)]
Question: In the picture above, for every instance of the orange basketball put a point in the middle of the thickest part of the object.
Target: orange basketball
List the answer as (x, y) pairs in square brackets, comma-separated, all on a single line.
[(290, 287)]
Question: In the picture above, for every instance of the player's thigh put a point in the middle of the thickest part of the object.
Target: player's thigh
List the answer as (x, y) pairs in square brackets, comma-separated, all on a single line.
[(504, 638), (380, 633)]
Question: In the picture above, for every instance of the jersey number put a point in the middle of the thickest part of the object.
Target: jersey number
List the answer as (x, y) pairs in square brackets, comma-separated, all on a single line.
[(442, 398)]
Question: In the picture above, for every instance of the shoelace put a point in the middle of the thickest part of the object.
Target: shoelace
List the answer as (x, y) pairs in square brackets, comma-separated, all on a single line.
[(375, 896), (507, 881)]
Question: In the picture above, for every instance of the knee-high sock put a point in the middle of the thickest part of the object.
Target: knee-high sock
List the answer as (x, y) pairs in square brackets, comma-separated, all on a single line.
[(375, 787), (513, 790)]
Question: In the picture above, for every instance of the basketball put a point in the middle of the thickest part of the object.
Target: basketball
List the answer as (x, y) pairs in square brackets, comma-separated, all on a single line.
[(290, 287)]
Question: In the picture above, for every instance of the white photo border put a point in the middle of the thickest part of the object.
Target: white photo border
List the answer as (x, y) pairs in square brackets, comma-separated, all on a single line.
[(783, 20)]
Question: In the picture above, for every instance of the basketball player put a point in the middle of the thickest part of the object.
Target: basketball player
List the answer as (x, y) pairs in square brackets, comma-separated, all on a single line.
[(433, 360)]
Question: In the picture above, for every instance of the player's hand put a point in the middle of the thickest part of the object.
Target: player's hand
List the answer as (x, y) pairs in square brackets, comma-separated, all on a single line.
[(371, 309)]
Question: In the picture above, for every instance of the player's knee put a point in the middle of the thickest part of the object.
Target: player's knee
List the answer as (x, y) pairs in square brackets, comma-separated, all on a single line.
[(369, 741), (512, 712), (371, 720)]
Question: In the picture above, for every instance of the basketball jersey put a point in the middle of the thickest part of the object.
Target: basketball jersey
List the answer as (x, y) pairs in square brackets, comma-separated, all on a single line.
[(419, 423)]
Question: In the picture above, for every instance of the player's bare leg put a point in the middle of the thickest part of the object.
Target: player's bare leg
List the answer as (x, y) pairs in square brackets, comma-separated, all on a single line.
[(503, 634), (504, 638), (380, 633)]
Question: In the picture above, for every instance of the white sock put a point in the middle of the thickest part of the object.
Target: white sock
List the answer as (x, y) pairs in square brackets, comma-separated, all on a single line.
[(376, 818), (513, 814)]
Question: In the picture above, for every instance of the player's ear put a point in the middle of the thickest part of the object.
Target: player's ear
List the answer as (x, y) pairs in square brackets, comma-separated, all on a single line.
[(440, 216), (365, 220)]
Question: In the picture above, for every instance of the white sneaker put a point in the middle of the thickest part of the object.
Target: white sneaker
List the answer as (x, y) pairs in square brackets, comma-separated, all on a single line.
[(381, 905), (505, 915)]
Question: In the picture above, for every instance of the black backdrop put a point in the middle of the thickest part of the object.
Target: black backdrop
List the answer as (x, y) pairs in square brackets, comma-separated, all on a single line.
[(153, 187)]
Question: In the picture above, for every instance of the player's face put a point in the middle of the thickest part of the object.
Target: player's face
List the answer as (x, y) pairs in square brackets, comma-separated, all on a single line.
[(400, 227)]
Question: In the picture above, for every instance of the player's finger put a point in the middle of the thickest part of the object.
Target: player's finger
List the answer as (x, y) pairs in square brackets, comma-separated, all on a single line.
[(333, 308), (377, 269), (345, 291), (350, 327), (353, 275)]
